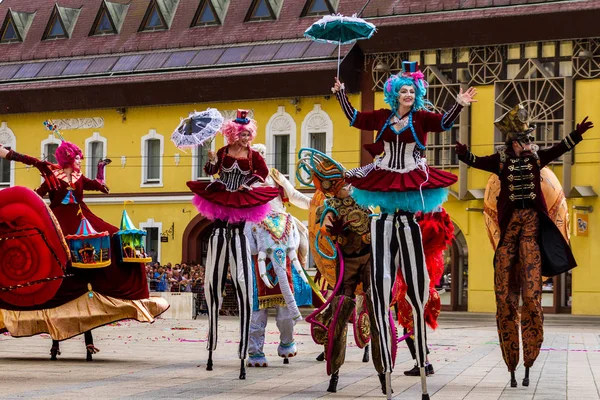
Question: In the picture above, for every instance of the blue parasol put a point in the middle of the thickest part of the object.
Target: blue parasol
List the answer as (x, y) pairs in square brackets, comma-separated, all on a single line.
[(340, 30), (198, 128)]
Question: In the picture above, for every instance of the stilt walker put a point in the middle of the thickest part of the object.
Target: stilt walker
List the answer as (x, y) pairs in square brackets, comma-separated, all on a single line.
[(400, 183), (230, 201), (279, 246), (530, 244)]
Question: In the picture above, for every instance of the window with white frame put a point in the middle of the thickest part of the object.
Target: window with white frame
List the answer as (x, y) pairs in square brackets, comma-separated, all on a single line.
[(152, 238), (49, 147), (281, 142), (199, 160), (152, 159), (95, 151), (317, 130), (7, 171)]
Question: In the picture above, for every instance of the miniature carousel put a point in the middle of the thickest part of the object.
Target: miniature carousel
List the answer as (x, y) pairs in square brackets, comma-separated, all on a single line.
[(89, 249), (131, 242)]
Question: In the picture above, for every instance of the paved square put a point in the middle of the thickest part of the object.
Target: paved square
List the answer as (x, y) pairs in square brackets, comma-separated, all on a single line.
[(166, 360)]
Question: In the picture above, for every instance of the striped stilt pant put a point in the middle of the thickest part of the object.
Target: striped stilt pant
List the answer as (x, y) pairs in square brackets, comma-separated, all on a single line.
[(228, 245), (396, 241)]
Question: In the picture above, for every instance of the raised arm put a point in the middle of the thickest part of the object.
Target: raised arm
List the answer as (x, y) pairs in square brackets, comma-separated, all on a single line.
[(434, 122), (486, 163), (214, 162), (571, 140), (294, 196), (370, 120), (44, 167), (94, 185)]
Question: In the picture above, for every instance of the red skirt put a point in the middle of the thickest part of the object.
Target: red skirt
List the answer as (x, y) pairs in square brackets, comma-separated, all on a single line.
[(383, 180)]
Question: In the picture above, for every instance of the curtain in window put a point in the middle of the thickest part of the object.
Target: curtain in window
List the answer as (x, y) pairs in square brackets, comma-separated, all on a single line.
[(96, 153), (4, 172), (201, 159), (282, 148), (318, 141), (153, 164), (50, 152)]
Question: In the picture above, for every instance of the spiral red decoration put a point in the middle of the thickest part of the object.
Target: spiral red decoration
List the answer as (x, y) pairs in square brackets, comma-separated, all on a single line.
[(31, 248)]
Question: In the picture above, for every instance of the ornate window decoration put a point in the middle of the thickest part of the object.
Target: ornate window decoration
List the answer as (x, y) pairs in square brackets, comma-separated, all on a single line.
[(545, 98), (317, 131), (7, 169), (95, 149), (586, 58), (555, 58), (281, 143), (442, 94), (486, 64)]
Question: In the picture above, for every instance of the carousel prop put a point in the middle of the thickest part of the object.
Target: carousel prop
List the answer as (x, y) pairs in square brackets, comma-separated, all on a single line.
[(131, 241), (89, 249)]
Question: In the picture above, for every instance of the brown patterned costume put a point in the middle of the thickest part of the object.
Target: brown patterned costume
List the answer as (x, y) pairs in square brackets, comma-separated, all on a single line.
[(355, 243), (530, 244)]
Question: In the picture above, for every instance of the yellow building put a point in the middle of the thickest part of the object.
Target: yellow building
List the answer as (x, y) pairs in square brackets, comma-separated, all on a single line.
[(117, 77)]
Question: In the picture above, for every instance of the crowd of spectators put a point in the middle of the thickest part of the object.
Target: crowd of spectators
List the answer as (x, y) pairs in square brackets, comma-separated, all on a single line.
[(188, 278)]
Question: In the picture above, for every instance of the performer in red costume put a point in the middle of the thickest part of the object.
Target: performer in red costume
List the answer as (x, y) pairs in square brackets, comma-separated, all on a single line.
[(230, 201), (91, 297)]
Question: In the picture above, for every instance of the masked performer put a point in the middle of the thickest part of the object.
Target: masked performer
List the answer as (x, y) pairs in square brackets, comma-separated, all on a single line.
[(91, 297), (230, 201), (400, 183), (342, 236), (531, 245), (279, 246)]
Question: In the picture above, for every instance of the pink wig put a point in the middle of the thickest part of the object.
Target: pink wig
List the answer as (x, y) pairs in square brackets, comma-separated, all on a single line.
[(66, 153), (232, 129)]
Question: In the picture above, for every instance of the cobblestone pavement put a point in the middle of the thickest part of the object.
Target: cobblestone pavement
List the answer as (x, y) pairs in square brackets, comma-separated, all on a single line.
[(166, 360)]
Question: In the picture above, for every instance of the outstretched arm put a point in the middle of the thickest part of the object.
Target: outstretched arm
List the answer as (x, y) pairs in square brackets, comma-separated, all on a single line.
[(295, 197), (362, 120), (94, 185), (434, 122), (487, 163), (567, 144), (44, 167)]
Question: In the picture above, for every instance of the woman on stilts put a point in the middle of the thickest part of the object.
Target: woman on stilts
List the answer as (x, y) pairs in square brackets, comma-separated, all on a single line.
[(230, 201), (401, 184)]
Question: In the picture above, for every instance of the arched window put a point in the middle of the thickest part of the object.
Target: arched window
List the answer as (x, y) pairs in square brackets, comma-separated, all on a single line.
[(281, 143), (49, 147), (152, 159), (317, 131), (7, 170), (95, 150)]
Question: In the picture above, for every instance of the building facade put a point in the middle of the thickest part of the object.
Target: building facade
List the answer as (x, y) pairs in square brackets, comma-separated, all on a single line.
[(117, 76)]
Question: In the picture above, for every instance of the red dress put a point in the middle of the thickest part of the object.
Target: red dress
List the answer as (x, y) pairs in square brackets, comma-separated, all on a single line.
[(221, 199), (118, 291)]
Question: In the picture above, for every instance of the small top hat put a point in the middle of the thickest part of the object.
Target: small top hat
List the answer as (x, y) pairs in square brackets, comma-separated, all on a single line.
[(515, 122), (410, 67), (242, 117)]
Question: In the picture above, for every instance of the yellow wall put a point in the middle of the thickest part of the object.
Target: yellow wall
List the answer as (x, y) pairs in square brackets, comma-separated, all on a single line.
[(124, 139)]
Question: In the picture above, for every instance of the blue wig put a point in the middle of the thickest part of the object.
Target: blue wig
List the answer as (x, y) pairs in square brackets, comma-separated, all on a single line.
[(392, 88)]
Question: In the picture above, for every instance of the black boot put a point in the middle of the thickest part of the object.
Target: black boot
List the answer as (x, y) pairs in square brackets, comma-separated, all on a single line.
[(513, 380), (209, 363), (243, 370), (526, 379), (333, 381), (54, 350), (89, 345), (321, 357), (286, 360), (382, 381), (366, 354)]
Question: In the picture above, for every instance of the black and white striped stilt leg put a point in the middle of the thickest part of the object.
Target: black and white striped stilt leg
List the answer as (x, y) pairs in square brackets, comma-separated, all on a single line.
[(215, 283), (383, 271), (240, 265), (416, 277)]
